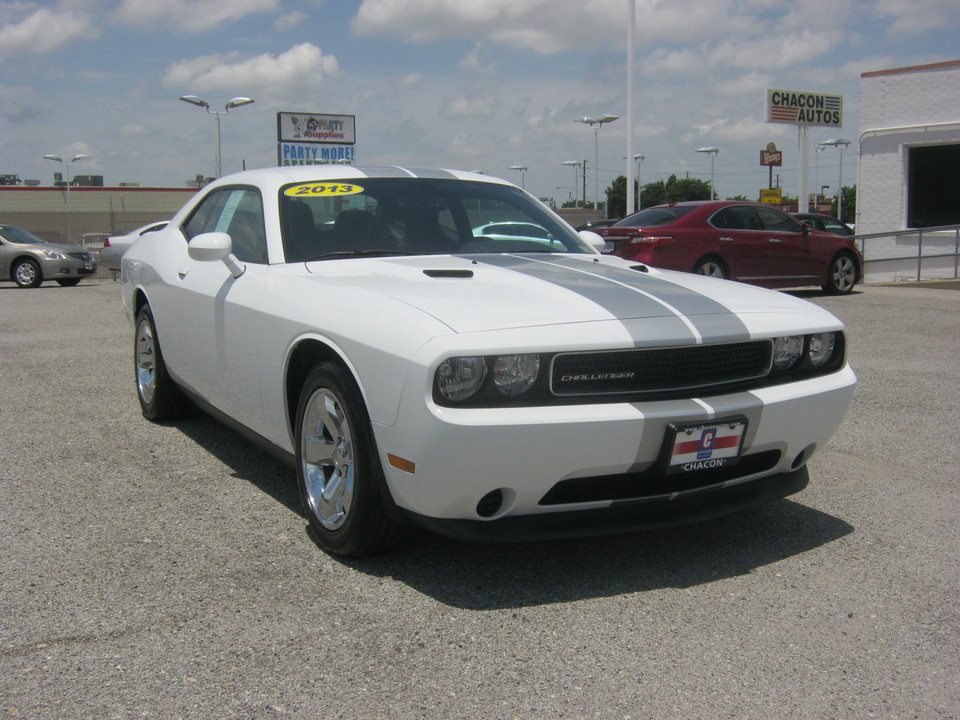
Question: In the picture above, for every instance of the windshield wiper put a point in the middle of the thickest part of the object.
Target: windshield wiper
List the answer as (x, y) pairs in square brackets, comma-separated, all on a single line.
[(340, 254)]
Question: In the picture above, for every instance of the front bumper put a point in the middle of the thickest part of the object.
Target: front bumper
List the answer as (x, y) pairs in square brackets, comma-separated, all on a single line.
[(645, 513), (59, 269), (536, 462)]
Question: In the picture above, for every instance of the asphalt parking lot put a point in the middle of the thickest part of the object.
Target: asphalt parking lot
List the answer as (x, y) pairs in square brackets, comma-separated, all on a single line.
[(164, 571)]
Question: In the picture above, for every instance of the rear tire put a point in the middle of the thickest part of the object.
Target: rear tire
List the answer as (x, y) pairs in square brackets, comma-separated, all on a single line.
[(841, 275), (339, 474), (27, 273), (711, 266), (160, 398)]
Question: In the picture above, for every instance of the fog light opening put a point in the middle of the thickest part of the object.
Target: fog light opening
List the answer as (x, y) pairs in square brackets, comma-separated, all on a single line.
[(802, 458), (490, 504)]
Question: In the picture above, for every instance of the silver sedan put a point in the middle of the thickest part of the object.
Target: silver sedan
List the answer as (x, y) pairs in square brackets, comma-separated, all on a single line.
[(28, 260)]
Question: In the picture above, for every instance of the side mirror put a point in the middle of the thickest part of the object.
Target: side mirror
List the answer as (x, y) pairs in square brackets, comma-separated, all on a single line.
[(593, 240), (209, 247), (805, 229)]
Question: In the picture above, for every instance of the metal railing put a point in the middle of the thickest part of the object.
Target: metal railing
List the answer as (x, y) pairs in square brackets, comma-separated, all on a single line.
[(911, 255)]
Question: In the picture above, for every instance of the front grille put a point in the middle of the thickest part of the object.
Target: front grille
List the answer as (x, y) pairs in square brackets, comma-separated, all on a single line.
[(659, 369), (650, 483), (86, 257)]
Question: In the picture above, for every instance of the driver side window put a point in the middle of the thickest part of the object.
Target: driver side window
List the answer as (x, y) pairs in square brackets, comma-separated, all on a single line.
[(237, 212)]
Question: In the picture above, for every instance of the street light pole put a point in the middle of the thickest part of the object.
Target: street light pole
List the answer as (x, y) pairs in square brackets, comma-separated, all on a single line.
[(67, 165), (712, 152), (523, 174), (843, 145), (200, 102), (598, 122), (639, 159), (576, 180)]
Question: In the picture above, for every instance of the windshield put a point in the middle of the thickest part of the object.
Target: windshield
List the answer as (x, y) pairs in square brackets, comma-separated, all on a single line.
[(651, 217), (416, 216), (22, 237)]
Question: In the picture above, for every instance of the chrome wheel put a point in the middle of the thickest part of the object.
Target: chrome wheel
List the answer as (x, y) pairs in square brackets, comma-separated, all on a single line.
[(843, 274), (327, 459), (146, 360), (711, 268), (27, 274)]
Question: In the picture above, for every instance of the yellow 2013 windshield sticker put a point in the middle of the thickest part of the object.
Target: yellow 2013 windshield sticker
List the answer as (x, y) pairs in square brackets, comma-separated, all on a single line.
[(323, 189)]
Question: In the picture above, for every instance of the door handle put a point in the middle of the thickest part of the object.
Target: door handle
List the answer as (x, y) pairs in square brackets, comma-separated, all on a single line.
[(726, 239), (776, 240)]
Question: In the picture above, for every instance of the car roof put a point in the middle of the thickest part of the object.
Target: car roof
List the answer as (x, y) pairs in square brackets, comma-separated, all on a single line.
[(279, 176)]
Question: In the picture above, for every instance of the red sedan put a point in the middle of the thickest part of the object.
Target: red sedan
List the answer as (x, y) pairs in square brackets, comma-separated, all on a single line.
[(749, 242)]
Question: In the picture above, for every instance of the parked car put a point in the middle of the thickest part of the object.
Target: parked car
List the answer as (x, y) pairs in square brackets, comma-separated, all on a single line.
[(595, 225), (749, 242), (826, 223), (28, 260), (116, 245), (349, 321)]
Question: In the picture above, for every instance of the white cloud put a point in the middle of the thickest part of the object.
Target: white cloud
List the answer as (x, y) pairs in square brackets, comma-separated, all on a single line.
[(548, 27), (289, 21), (44, 31), (189, 15), (302, 67), (911, 17)]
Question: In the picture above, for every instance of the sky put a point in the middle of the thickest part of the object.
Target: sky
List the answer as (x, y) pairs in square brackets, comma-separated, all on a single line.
[(463, 84)]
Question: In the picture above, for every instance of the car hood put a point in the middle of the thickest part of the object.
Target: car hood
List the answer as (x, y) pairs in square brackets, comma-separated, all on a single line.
[(59, 247), (497, 292)]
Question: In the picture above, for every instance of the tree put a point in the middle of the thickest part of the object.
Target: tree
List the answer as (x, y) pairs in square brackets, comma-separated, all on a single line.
[(849, 204), (617, 197)]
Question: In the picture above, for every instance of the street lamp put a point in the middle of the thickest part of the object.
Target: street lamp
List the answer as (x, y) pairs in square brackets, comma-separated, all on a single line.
[(712, 152), (523, 173), (578, 164), (67, 165), (200, 102), (639, 158), (843, 145), (596, 123)]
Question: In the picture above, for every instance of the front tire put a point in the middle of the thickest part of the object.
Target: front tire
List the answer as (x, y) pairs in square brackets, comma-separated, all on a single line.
[(160, 398), (338, 470), (27, 274), (711, 266), (841, 275)]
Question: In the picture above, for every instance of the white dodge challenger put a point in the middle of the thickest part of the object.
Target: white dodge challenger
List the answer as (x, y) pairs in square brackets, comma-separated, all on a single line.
[(437, 348)]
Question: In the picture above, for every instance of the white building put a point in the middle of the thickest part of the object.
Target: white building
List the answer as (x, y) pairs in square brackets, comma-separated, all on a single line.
[(909, 167)]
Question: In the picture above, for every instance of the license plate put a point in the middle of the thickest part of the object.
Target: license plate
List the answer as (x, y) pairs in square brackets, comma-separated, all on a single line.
[(609, 246), (88, 266), (704, 446)]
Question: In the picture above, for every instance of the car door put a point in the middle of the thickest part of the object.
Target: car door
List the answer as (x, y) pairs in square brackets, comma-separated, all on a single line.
[(739, 239), (788, 256), (213, 314), (4, 260)]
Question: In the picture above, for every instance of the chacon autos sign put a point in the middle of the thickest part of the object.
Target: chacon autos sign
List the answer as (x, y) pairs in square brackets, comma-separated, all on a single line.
[(804, 108), (315, 139)]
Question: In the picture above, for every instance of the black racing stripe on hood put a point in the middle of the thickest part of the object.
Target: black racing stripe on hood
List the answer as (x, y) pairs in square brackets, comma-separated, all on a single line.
[(621, 302), (715, 322)]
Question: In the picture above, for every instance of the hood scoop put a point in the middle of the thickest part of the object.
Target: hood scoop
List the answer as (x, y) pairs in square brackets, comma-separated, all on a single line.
[(448, 273)]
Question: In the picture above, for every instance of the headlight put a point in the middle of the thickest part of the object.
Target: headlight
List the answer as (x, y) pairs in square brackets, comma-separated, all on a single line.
[(515, 374), (821, 349), (459, 378), (54, 255), (787, 351)]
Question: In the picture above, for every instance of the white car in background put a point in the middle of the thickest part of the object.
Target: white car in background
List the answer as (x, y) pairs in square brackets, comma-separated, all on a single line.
[(116, 245), (350, 321)]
